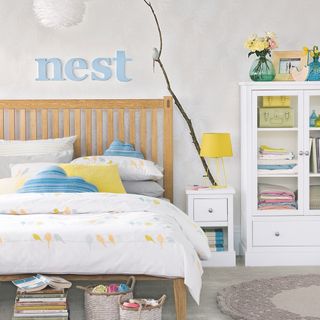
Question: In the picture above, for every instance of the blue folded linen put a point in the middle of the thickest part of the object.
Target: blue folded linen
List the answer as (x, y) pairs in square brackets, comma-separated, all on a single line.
[(276, 167)]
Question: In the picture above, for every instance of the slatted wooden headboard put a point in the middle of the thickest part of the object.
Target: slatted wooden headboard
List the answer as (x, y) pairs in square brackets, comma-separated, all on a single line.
[(96, 123)]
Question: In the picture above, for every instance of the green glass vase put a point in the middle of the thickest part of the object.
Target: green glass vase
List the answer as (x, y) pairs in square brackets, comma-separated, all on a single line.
[(262, 69)]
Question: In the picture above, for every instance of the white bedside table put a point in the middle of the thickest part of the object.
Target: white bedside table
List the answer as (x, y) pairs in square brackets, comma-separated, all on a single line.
[(213, 209)]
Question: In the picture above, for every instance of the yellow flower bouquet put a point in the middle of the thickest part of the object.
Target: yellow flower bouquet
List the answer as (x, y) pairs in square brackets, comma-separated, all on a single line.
[(262, 68), (261, 45)]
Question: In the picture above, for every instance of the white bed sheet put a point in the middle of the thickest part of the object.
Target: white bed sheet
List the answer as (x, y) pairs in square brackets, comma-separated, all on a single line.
[(100, 233)]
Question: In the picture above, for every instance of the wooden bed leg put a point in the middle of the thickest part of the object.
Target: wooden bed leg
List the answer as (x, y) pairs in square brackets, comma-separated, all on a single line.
[(180, 298)]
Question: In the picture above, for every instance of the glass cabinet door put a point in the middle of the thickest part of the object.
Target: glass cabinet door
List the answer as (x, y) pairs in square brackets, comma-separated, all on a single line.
[(277, 136), (312, 152)]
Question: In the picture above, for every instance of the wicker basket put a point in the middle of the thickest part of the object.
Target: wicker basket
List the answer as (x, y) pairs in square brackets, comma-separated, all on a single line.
[(143, 313), (105, 306)]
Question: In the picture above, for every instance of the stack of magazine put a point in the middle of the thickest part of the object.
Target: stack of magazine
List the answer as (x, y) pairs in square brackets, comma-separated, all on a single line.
[(41, 298)]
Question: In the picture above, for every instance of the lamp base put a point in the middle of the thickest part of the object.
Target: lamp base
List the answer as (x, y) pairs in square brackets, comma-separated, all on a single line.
[(220, 178), (218, 187)]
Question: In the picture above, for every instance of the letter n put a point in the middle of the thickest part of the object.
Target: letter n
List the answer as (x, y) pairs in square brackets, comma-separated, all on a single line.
[(52, 66)]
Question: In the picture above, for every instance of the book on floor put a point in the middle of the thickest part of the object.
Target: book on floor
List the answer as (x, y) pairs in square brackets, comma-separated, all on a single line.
[(41, 298), (39, 282), (40, 318), (25, 299)]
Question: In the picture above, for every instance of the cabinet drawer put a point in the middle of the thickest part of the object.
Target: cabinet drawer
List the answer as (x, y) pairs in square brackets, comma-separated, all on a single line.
[(210, 210), (286, 233)]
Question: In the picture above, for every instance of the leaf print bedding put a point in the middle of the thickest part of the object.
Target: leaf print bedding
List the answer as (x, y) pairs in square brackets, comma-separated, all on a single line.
[(100, 233)]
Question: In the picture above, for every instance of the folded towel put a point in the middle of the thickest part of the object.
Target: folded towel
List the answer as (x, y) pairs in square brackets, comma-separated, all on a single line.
[(286, 156), (277, 162), (273, 197), (278, 207), (278, 171), (265, 148), (276, 166), (265, 188), (276, 201)]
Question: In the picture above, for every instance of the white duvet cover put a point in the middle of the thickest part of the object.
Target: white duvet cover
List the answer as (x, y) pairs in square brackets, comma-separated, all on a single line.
[(99, 233)]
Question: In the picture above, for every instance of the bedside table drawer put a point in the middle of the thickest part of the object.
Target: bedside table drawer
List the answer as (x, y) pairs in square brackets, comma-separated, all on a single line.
[(210, 210)]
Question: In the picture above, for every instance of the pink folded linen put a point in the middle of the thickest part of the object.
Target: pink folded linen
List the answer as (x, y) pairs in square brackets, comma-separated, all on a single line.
[(277, 208), (277, 201)]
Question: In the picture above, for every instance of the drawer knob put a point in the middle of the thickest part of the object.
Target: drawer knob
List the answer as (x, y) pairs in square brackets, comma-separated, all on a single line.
[(277, 234), (210, 210)]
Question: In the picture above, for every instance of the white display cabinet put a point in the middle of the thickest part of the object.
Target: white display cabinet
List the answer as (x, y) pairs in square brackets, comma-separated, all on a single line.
[(279, 237)]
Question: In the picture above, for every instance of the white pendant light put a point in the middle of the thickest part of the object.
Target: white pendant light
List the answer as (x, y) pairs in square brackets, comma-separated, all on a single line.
[(59, 14)]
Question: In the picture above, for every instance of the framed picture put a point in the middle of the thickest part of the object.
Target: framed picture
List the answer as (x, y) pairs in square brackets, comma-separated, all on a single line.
[(284, 61)]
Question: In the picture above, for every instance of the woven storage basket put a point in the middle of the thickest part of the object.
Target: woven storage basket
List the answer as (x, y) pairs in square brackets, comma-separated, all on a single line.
[(105, 306), (143, 313)]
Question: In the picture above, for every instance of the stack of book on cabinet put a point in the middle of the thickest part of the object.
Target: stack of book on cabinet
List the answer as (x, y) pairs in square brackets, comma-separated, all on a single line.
[(314, 155), (215, 238), (41, 298)]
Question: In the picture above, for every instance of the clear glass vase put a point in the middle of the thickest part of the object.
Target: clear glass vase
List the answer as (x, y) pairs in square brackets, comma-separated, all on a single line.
[(314, 70), (262, 69)]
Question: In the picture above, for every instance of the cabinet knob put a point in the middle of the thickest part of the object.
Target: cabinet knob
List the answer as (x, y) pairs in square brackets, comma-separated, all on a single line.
[(301, 153), (210, 210), (307, 153), (277, 234)]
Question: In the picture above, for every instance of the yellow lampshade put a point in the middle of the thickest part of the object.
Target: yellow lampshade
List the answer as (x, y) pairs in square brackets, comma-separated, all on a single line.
[(216, 145)]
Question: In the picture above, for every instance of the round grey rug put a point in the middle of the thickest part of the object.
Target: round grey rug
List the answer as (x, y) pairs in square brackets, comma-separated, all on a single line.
[(295, 297)]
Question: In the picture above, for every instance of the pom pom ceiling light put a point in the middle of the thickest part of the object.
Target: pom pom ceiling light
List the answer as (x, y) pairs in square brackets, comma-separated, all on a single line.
[(59, 14)]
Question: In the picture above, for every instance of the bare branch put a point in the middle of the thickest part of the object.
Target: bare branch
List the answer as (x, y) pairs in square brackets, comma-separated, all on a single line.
[(148, 3), (176, 100)]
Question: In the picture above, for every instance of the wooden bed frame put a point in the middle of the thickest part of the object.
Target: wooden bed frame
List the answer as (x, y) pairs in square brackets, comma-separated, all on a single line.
[(96, 123)]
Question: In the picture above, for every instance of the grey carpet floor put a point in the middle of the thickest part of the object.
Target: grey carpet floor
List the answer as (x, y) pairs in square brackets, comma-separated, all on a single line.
[(213, 280)]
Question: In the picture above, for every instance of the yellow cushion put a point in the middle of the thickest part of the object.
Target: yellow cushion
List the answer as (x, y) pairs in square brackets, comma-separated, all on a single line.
[(11, 185), (105, 177)]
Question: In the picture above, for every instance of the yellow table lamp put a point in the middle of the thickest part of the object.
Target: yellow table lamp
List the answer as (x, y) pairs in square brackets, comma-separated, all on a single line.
[(218, 146)]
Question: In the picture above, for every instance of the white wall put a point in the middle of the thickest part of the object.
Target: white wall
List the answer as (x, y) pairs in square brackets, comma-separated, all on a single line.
[(203, 54)]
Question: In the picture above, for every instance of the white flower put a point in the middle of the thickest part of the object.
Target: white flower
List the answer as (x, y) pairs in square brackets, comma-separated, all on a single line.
[(271, 35)]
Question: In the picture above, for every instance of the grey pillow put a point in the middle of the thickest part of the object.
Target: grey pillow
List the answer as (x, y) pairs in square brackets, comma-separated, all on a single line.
[(146, 188), (6, 161)]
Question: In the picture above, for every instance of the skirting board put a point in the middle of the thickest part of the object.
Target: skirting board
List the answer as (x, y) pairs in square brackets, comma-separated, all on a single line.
[(281, 258), (220, 259), (237, 239)]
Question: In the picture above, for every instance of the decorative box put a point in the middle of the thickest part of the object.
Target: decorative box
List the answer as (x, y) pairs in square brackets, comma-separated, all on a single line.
[(276, 118), (276, 102)]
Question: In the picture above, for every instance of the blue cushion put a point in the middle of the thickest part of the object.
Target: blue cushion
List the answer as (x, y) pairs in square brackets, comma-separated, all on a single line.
[(54, 179), (119, 148)]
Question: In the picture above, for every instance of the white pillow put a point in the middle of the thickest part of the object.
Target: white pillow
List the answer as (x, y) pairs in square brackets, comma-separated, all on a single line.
[(29, 169), (6, 161), (10, 185), (129, 168), (36, 147)]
